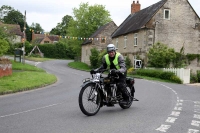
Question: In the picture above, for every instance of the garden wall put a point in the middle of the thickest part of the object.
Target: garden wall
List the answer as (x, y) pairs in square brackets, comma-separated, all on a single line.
[(5, 67)]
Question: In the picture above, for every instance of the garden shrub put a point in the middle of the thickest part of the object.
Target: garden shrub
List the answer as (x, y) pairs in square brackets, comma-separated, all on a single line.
[(193, 78), (176, 79), (159, 74)]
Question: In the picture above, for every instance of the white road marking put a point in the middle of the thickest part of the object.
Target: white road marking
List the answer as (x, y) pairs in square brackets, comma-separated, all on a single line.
[(195, 123), (197, 102), (196, 116), (36, 63), (30, 110), (193, 131), (171, 120), (174, 113), (179, 104), (196, 111), (163, 128), (178, 108), (197, 106)]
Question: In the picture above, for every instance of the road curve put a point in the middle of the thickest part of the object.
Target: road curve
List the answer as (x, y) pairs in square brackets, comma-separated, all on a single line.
[(163, 107)]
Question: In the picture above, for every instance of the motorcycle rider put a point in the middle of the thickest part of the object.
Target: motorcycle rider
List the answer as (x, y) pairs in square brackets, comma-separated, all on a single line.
[(115, 62)]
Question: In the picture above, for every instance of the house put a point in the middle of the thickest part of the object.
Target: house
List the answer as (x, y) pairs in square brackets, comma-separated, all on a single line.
[(44, 38), (171, 22), (14, 31), (99, 39)]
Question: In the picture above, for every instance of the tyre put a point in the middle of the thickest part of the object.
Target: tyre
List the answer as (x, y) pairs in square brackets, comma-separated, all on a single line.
[(126, 106), (89, 99)]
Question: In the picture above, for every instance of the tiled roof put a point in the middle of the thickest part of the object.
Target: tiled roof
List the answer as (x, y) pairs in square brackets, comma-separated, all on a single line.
[(13, 29), (96, 33), (53, 38), (37, 40), (137, 20)]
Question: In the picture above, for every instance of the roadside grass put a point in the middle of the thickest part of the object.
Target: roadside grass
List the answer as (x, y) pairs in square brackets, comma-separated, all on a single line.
[(37, 59), (25, 67), (25, 77), (79, 66)]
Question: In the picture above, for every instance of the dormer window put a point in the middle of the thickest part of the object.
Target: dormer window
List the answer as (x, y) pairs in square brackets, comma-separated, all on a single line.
[(167, 14)]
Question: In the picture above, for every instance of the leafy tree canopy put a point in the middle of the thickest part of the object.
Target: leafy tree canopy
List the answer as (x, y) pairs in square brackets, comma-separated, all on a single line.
[(87, 19), (62, 28), (4, 44), (160, 55), (36, 27)]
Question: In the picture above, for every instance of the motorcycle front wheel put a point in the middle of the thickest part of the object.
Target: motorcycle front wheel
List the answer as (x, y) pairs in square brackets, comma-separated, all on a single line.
[(89, 99)]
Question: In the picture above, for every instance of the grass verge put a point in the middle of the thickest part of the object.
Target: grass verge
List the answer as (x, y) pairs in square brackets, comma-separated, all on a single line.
[(25, 77)]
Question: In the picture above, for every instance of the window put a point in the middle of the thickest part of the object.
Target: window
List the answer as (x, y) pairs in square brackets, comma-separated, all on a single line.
[(166, 14), (116, 43), (46, 41), (125, 41), (103, 40), (135, 39)]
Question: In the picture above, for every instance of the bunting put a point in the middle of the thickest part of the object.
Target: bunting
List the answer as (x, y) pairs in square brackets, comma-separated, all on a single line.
[(71, 37)]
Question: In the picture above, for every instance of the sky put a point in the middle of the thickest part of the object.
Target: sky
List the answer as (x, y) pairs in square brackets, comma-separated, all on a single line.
[(48, 13)]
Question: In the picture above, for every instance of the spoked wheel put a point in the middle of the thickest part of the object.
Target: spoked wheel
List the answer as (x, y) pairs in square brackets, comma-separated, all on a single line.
[(89, 100), (126, 106)]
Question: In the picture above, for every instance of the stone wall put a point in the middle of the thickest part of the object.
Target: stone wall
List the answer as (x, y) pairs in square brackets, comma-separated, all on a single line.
[(5, 67)]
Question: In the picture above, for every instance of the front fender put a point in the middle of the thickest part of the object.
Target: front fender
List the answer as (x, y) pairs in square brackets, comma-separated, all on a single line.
[(88, 82)]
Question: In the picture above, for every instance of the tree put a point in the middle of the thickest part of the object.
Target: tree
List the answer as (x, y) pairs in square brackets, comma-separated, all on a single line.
[(160, 55), (87, 19), (4, 44), (36, 27), (62, 28), (4, 10), (94, 58)]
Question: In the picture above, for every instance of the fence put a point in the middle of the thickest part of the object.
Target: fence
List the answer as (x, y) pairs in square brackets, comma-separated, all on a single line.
[(183, 74)]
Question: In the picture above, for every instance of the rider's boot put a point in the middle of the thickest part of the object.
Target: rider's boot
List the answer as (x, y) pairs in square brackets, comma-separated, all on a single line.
[(127, 98)]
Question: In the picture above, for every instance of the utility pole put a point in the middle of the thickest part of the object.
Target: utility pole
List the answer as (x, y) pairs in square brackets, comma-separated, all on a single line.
[(24, 39)]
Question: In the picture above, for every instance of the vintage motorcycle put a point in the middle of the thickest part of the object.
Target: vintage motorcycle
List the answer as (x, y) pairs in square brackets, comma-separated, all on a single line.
[(99, 91)]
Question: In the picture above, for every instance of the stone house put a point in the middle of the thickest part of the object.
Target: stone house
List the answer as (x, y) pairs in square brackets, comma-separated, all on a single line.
[(16, 35), (171, 22), (44, 38), (99, 39)]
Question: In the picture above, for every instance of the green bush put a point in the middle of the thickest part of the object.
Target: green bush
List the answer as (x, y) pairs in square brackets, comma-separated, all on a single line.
[(166, 75), (94, 58), (193, 78), (149, 72), (128, 62), (159, 74), (176, 79), (198, 76)]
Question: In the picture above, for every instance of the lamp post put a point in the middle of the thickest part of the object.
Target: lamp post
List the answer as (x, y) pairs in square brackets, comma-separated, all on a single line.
[(23, 49)]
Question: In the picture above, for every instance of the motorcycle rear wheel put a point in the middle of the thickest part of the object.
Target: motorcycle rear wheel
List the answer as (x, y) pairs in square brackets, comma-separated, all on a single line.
[(126, 106), (89, 100)]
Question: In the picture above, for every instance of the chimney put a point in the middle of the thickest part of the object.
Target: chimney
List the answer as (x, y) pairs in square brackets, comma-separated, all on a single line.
[(135, 7)]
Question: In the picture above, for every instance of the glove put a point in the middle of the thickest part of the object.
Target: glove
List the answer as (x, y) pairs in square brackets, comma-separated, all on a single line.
[(114, 71), (92, 71)]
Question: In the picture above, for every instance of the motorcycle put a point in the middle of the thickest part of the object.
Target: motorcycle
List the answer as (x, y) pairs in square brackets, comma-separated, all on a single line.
[(99, 91)]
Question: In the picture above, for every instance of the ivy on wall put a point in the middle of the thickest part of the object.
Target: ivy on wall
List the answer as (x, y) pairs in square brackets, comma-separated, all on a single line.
[(191, 57)]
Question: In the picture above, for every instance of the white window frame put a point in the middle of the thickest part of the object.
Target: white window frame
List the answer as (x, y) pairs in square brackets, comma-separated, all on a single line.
[(125, 41), (135, 39), (165, 17)]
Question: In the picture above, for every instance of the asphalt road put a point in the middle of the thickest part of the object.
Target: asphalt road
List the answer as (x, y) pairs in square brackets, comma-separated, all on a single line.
[(163, 107)]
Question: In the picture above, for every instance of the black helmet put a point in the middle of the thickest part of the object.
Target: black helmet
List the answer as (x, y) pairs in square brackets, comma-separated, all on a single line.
[(111, 47)]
